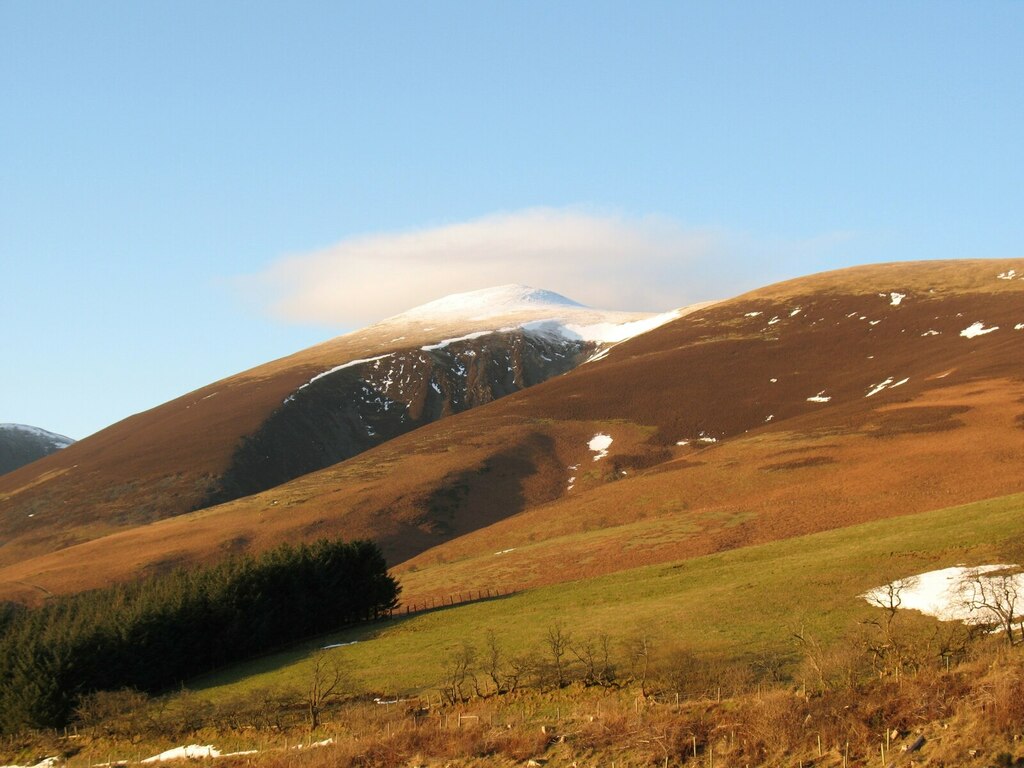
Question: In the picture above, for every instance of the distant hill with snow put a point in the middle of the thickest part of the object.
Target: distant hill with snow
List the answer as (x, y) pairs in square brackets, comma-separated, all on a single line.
[(21, 444)]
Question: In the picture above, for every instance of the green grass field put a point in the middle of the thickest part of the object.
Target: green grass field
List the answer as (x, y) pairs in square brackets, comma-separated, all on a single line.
[(728, 605)]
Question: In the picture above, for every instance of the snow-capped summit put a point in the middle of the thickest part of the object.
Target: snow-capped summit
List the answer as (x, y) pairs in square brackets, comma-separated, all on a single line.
[(489, 302), (537, 312)]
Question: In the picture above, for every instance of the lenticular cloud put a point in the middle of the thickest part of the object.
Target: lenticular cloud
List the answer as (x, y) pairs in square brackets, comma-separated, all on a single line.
[(611, 262)]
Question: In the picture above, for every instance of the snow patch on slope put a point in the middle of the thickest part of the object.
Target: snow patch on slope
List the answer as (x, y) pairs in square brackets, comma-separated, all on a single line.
[(467, 337), (889, 383), (599, 444), (977, 329), (601, 333)]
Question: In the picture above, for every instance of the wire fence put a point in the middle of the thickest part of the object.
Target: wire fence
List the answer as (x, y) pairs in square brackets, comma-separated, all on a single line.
[(433, 602)]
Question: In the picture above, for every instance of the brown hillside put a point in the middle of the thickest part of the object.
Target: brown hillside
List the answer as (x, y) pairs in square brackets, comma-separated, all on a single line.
[(780, 379), (278, 421)]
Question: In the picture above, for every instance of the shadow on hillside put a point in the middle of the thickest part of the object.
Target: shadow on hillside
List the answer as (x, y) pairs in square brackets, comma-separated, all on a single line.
[(279, 660), (462, 502)]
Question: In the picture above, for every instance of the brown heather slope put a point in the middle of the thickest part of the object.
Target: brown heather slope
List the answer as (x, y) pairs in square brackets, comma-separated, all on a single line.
[(268, 425), (151, 465), (443, 500)]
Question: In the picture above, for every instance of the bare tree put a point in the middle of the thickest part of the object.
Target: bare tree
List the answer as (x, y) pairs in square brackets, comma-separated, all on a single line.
[(595, 656), (457, 673), (890, 597), (558, 642), (114, 714), (326, 683), (494, 663), (519, 669), (833, 667), (586, 654), (997, 595), (640, 649), (889, 648)]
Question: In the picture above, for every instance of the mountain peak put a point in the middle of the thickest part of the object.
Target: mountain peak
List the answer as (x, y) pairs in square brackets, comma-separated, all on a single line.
[(499, 300)]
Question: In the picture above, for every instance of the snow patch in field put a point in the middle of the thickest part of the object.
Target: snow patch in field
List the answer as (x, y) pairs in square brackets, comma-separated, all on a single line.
[(774, 381), (752, 314), (191, 752), (774, 320), (338, 645), (682, 442), (896, 298), (931, 333), (48, 762), (328, 742), (795, 312), (1009, 275), (506, 551), (1019, 327), (819, 398), (949, 594), (977, 329), (599, 444)]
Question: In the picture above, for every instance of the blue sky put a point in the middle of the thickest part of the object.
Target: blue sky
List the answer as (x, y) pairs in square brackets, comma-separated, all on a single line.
[(165, 165)]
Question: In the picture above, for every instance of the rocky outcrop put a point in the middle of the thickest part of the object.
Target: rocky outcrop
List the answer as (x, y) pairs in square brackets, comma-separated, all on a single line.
[(360, 406)]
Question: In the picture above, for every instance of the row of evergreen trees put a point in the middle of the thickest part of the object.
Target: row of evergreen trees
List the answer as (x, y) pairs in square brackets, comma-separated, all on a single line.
[(155, 633)]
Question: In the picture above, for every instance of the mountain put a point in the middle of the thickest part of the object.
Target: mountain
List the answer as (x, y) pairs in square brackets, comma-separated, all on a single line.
[(21, 444), (483, 345), (814, 404), (276, 422)]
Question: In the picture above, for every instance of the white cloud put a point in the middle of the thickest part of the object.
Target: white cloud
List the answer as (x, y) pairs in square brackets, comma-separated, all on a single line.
[(605, 261)]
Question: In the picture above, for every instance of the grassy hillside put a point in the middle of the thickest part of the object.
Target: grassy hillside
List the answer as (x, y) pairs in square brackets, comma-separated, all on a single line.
[(732, 605)]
